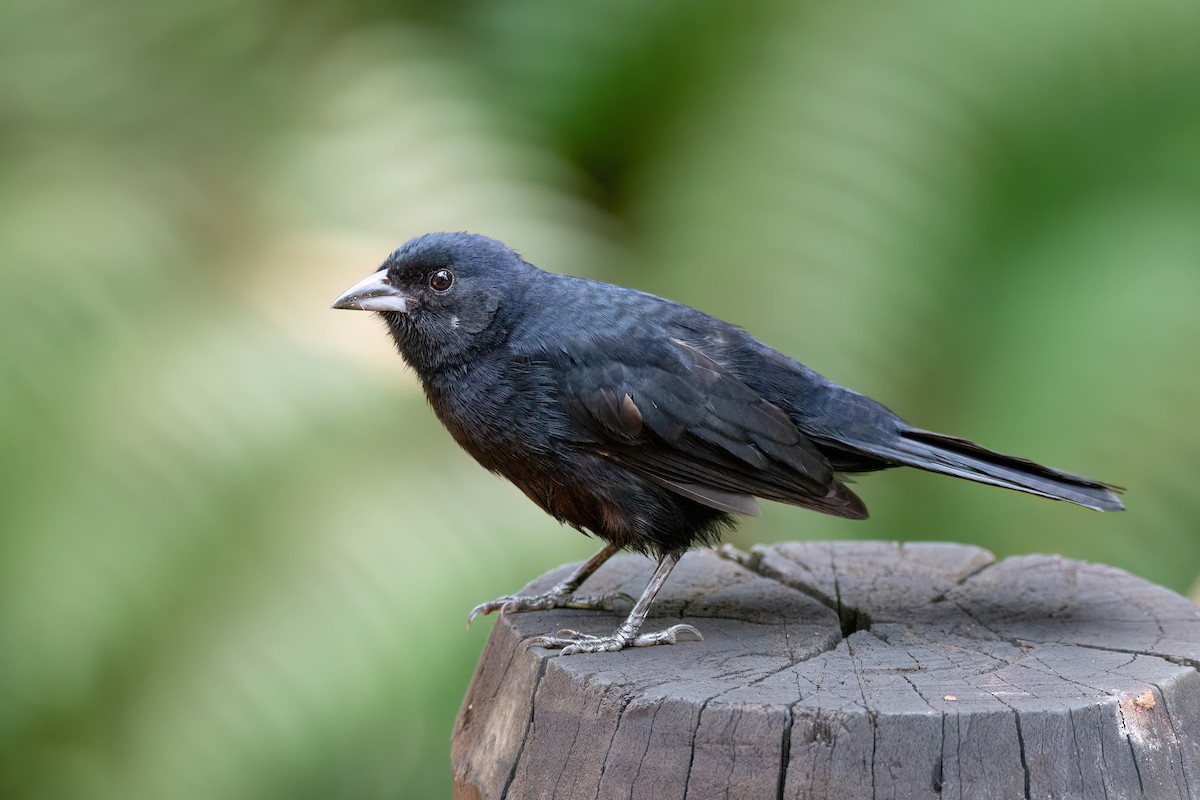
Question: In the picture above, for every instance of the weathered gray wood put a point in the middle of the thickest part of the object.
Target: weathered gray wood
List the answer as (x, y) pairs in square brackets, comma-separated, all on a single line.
[(849, 670)]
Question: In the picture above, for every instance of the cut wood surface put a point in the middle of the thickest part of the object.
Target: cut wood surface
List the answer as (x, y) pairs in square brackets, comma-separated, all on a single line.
[(848, 670)]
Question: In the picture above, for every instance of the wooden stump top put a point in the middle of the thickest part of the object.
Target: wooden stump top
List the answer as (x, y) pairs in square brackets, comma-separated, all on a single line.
[(848, 670)]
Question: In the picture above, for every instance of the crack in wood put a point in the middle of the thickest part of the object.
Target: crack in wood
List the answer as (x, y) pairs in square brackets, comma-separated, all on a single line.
[(512, 774), (611, 739), (1179, 661), (1079, 755), (1183, 788), (940, 597), (1021, 750), (874, 719), (917, 705), (642, 760), (1132, 750), (753, 561), (851, 619), (785, 754), (692, 757), (939, 768), (583, 702)]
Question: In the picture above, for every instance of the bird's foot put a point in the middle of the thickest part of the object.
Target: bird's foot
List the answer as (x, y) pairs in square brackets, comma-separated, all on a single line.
[(548, 600), (573, 642), (746, 559)]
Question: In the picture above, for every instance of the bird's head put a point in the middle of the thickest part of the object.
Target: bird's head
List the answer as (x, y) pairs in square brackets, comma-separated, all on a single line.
[(444, 297)]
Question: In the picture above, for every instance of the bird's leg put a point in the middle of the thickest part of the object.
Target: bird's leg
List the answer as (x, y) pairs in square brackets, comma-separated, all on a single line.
[(627, 634), (561, 595)]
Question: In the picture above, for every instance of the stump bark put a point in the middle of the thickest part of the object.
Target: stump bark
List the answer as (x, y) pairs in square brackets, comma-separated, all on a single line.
[(848, 670)]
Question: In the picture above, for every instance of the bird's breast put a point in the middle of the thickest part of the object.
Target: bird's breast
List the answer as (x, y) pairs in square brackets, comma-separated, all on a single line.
[(494, 414)]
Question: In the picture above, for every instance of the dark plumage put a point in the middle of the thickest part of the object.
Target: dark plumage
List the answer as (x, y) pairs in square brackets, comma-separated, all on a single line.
[(640, 420)]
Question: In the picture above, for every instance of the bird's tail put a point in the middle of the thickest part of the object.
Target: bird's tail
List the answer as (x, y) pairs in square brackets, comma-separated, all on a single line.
[(962, 458)]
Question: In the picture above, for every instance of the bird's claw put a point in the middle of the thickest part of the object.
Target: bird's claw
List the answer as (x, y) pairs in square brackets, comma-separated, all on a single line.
[(573, 642), (487, 608), (544, 602)]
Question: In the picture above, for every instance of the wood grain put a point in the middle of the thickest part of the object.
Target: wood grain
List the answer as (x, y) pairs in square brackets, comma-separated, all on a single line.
[(849, 670)]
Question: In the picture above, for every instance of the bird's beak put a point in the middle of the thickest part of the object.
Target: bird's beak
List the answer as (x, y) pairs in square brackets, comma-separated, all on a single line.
[(373, 293)]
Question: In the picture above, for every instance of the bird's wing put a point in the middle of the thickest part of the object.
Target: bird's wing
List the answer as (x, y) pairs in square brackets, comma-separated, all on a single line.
[(674, 415)]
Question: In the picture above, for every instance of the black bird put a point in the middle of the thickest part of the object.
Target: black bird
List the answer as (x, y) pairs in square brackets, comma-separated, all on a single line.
[(640, 420)]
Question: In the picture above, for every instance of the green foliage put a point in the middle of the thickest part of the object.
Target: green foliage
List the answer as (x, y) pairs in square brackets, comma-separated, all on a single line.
[(236, 550)]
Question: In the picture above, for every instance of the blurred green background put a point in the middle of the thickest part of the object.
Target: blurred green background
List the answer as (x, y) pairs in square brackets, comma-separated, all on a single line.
[(236, 548)]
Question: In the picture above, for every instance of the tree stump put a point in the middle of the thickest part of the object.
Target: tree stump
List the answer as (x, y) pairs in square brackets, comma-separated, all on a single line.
[(848, 670)]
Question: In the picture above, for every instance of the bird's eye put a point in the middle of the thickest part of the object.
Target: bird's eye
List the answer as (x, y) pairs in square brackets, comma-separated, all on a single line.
[(441, 280)]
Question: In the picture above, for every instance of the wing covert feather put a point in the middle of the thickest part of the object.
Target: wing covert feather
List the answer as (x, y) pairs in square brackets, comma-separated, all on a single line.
[(674, 415)]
